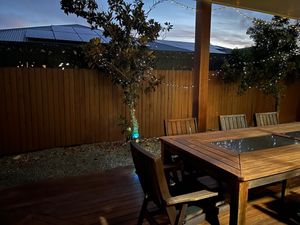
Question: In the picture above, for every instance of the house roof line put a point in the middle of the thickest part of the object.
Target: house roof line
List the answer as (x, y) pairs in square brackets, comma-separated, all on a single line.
[(77, 33)]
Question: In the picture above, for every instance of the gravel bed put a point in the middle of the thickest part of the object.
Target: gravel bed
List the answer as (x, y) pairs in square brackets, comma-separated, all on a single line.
[(71, 161)]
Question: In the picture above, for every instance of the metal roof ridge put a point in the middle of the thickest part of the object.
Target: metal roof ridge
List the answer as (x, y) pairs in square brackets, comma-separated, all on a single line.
[(46, 26)]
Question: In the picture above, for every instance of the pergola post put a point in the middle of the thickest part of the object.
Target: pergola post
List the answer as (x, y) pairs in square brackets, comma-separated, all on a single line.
[(201, 62)]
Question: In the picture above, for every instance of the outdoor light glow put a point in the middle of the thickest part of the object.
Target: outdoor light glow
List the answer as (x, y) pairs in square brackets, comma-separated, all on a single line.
[(135, 135)]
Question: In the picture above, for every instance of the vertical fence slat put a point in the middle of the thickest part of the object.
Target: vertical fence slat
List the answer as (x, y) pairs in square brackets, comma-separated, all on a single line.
[(82, 106), (100, 109), (72, 109), (5, 111), (38, 104), (96, 106), (14, 110), (164, 100), (77, 106), (158, 109), (61, 106), (28, 109), (33, 100), (92, 107), (9, 119), (56, 111), (45, 107), (2, 112), (50, 100), (66, 85), (106, 94)]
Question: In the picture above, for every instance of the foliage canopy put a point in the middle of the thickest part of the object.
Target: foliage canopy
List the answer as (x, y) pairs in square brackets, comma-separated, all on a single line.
[(271, 63), (123, 54)]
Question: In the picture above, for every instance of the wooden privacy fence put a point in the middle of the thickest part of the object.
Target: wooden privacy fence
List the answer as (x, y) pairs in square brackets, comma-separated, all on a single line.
[(45, 108)]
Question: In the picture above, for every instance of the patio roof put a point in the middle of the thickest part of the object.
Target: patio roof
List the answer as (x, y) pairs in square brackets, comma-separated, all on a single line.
[(287, 8)]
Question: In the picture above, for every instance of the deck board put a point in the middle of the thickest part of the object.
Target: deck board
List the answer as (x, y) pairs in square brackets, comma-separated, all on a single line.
[(115, 195)]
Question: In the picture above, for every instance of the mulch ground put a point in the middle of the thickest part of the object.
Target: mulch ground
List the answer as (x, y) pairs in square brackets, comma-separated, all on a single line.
[(70, 161)]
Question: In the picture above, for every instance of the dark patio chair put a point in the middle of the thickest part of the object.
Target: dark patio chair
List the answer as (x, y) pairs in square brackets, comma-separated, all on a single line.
[(177, 209), (228, 122), (267, 118)]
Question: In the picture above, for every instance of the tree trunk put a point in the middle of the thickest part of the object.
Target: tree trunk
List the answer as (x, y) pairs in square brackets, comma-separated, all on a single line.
[(134, 123), (277, 102)]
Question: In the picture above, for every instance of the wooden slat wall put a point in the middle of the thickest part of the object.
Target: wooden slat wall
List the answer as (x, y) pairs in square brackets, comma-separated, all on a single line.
[(45, 108)]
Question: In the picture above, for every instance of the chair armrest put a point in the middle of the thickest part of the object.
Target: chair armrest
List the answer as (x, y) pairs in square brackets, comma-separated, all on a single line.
[(191, 197)]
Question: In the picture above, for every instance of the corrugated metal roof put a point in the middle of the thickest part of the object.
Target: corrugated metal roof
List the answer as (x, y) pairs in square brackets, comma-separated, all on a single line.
[(161, 46), (15, 35), (190, 46), (78, 33), (39, 34)]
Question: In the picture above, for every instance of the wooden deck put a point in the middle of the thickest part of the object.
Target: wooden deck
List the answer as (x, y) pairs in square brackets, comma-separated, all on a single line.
[(116, 196)]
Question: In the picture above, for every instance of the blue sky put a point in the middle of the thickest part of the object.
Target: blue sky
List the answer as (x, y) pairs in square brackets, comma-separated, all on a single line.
[(228, 27)]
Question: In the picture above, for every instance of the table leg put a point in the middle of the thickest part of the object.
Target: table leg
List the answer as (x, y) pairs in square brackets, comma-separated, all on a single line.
[(284, 191), (166, 154), (238, 203)]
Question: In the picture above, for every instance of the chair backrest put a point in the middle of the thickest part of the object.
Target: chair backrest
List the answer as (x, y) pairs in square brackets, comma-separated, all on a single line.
[(228, 122), (180, 126), (267, 118), (151, 175)]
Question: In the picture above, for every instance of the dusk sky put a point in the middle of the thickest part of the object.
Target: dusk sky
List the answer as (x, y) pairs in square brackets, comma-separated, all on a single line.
[(228, 25)]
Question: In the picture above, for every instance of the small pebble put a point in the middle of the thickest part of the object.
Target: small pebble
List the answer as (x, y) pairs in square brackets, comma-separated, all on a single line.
[(17, 157)]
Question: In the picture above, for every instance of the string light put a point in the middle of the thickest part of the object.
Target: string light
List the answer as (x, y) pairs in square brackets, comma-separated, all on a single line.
[(182, 5), (255, 20), (282, 56), (173, 85), (222, 8), (63, 65), (215, 73), (263, 22)]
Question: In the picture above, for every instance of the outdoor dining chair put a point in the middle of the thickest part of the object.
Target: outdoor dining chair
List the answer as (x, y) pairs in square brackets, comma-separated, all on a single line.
[(267, 118), (178, 209), (228, 122), (180, 126)]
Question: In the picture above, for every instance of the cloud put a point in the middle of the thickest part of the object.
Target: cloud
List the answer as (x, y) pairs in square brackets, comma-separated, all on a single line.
[(230, 39), (230, 42), (225, 35), (11, 21), (181, 32)]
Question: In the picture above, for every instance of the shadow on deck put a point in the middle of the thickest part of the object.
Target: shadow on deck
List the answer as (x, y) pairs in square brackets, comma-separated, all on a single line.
[(116, 196)]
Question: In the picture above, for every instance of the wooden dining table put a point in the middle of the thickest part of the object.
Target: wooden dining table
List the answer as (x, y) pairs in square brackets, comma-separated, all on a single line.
[(242, 158)]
